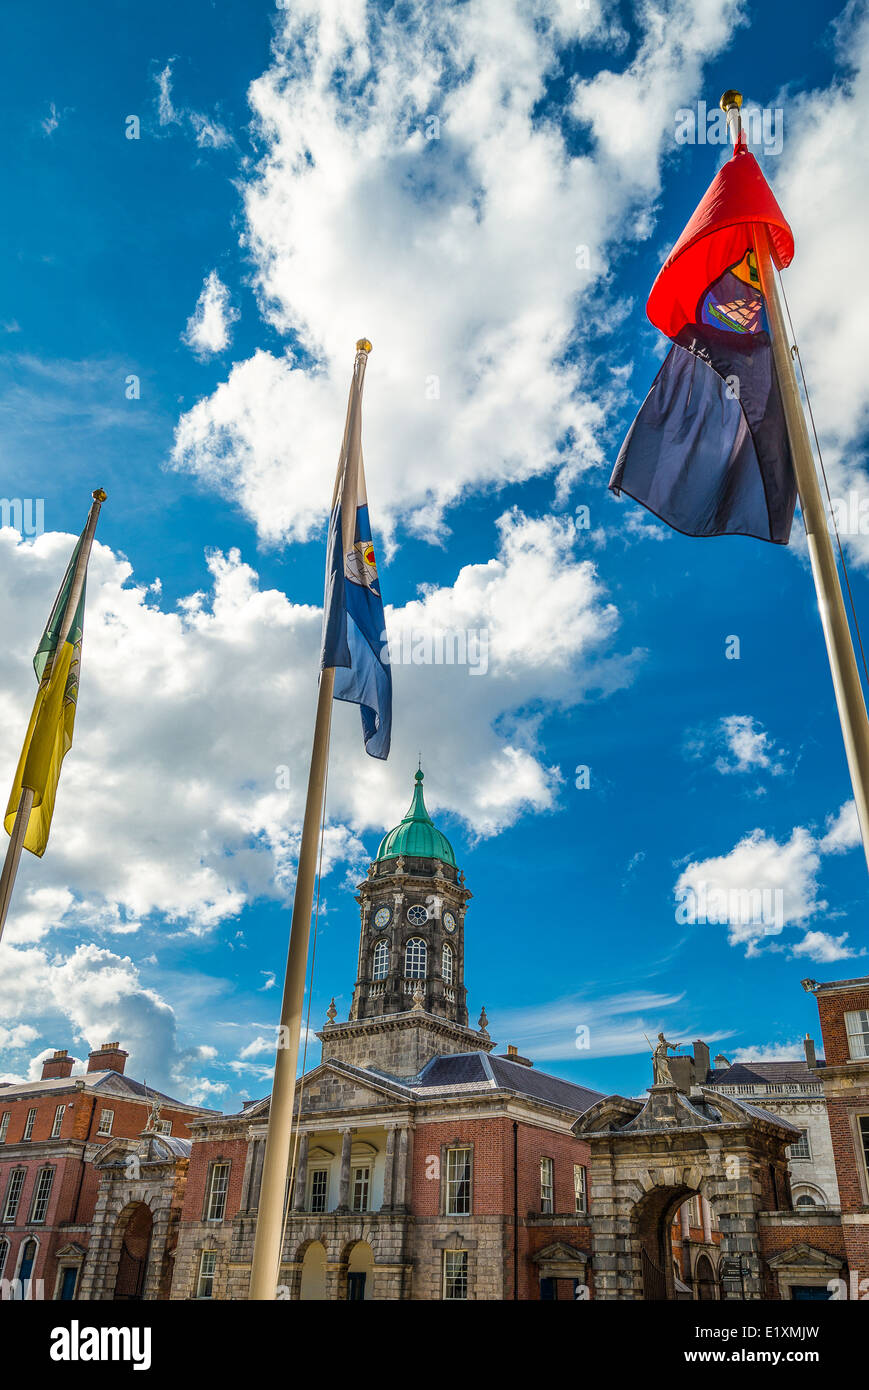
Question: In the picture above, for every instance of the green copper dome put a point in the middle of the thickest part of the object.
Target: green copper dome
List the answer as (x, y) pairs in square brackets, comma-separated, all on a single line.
[(417, 834)]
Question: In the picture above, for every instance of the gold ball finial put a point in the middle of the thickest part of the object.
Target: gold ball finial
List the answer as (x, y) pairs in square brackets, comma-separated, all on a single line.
[(99, 495), (730, 99), (363, 345)]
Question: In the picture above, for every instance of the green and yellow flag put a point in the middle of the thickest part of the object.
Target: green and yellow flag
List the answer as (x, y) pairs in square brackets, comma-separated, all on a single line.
[(57, 664)]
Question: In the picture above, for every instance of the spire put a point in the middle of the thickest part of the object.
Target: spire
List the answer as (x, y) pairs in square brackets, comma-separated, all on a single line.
[(417, 834)]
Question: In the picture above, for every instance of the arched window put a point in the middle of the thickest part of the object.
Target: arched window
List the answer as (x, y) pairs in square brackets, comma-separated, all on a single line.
[(447, 968), (381, 961), (415, 958), (806, 1201)]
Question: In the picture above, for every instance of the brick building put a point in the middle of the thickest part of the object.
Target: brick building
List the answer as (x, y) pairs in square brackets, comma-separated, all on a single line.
[(51, 1131)]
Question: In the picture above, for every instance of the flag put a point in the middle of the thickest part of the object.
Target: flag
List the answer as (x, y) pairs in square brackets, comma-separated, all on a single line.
[(49, 734), (354, 629), (708, 452)]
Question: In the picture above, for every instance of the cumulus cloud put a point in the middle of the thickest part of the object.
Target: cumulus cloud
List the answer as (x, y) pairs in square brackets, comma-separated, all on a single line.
[(770, 1052), (404, 152), (208, 328), (763, 885)]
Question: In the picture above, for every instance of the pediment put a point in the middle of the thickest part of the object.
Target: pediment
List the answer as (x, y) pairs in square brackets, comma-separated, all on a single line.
[(337, 1087), (613, 1112), (803, 1256), (71, 1251), (560, 1251)]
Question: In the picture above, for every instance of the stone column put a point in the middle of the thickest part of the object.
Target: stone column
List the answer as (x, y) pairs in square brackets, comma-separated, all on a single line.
[(344, 1186), (399, 1186), (301, 1172), (685, 1221), (388, 1174), (707, 1220)]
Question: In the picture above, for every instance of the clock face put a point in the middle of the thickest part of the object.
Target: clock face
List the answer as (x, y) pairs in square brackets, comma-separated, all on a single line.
[(382, 916), (449, 921), (417, 915)]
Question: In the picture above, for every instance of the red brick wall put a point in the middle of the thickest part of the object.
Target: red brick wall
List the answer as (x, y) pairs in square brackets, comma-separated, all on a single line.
[(130, 1116), (832, 1009), (203, 1153), (775, 1239)]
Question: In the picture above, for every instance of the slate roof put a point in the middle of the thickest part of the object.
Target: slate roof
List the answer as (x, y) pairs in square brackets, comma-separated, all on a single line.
[(469, 1071), (111, 1081), (761, 1073)]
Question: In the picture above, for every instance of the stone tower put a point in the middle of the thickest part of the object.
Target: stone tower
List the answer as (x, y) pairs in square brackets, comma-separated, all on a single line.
[(409, 1002)]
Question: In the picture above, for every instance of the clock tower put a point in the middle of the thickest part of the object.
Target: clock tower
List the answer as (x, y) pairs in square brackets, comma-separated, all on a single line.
[(412, 933), (409, 1001)]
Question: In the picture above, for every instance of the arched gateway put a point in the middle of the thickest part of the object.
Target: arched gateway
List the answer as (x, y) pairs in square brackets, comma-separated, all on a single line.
[(648, 1157)]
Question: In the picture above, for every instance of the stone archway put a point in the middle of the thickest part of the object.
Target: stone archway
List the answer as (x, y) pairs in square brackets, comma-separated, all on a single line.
[(360, 1272), (648, 1157), (313, 1278), (133, 1235), (705, 1282)]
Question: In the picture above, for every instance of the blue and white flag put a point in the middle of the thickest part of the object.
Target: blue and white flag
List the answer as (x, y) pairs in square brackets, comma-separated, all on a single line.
[(354, 629)]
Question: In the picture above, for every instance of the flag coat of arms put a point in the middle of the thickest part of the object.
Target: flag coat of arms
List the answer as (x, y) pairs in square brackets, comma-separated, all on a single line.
[(354, 628), (49, 734), (708, 451)]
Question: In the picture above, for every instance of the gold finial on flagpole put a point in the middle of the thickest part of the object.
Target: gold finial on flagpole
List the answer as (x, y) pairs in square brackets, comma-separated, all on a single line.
[(730, 104), (99, 494), (363, 345)]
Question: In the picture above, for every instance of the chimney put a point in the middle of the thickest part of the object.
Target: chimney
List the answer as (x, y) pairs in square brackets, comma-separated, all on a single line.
[(721, 1062), (701, 1063), (58, 1065), (809, 1045), (109, 1057), (513, 1056)]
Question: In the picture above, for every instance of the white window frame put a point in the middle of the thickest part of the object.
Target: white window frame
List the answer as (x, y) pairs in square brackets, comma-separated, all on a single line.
[(218, 1190), (163, 1127), (380, 961), (41, 1195), (547, 1184), (4, 1253), (207, 1273), (447, 962), (580, 1187), (459, 1191), (360, 1187), (863, 1138), (58, 1121), (452, 1278), (13, 1195), (315, 1174), (857, 1029), (803, 1143), (28, 1124), (4, 1125), (107, 1122), (415, 958)]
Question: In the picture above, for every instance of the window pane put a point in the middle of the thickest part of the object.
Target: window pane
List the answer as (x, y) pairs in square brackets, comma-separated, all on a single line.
[(4, 1125), (361, 1182), (458, 1201), (13, 1194), (319, 1189), (415, 959), (41, 1194), (217, 1191), (207, 1267), (447, 964), (546, 1184), (28, 1127), (800, 1149), (857, 1024), (455, 1274), (58, 1121), (381, 961), (579, 1186)]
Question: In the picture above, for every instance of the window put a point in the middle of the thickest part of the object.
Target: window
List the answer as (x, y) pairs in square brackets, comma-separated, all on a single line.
[(805, 1201), (415, 958), (58, 1121), (29, 1123), (4, 1252), (163, 1127), (4, 1125), (207, 1266), (319, 1188), (863, 1122), (107, 1119), (13, 1194), (547, 1184), (455, 1274), (361, 1186), (801, 1148), (458, 1196), (857, 1025), (580, 1188), (217, 1189), (447, 968), (41, 1194), (380, 969)]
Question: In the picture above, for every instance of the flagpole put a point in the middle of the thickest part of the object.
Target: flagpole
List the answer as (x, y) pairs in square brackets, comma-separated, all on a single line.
[(834, 619), (266, 1262), (25, 801)]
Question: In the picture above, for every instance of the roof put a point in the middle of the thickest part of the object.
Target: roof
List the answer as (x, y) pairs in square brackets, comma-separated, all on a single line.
[(762, 1073), (819, 987), (417, 834), (93, 1081), (475, 1071)]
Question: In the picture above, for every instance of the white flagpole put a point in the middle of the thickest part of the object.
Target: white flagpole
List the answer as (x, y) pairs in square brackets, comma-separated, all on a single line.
[(25, 801), (266, 1263), (834, 619)]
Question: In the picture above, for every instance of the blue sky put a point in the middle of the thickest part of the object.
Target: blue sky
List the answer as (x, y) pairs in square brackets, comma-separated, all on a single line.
[(282, 198)]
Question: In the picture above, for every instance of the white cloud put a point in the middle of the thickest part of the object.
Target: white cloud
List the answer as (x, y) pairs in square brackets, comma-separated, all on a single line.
[(843, 831), (737, 743), (356, 223), (770, 1052), (822, 946), (207, 130), (165, 110), (193, 726), (208, 328)]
